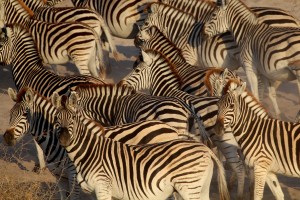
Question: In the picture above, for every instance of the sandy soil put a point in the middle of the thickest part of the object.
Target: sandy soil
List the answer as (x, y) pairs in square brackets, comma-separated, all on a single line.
[(17, 163)]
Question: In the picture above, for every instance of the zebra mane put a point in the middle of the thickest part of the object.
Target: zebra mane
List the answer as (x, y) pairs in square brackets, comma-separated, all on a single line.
[(162, 57), (22, 32), (207, 76), (21, 94), (248, 97), (112, 87), (156, 31)]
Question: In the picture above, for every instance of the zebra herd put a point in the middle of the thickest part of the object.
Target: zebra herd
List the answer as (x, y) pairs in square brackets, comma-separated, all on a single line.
[(117, 142)]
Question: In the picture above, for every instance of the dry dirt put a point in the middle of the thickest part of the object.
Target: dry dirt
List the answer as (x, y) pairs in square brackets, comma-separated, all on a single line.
[(16, 163)]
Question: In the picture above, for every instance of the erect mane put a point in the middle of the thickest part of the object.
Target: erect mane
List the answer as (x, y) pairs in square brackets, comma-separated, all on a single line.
[(248, 93), (157, 31), (172, 67), (207, 76), (21, 93)]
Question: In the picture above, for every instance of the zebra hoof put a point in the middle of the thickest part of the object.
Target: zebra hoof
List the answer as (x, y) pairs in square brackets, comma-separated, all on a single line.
[(37, 169)]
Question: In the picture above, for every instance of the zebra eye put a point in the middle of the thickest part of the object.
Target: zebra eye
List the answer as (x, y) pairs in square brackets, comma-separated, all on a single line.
[(231, 106), (146, 24), (137, 70)]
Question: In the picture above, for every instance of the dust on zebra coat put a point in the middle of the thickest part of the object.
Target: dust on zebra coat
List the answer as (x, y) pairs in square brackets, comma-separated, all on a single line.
[(61, 42), (34, 114), (115, 105), (269, 146), (269, 55), (151, 171)]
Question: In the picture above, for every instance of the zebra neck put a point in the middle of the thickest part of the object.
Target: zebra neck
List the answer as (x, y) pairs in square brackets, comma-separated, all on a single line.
[(241, 21), (34, 5)]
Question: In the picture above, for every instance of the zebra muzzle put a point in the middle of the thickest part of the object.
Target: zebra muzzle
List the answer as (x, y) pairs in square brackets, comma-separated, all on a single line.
[(9, 137), (219, 126), (64, 137)]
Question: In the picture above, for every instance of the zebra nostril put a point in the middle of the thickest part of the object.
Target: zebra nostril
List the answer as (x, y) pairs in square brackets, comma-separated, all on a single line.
[(9, 137)]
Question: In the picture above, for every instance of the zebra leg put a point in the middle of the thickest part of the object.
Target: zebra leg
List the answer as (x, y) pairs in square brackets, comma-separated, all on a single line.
[(274, 185), (260, 176), (41, 165), (230, 149), (103, 190), (251, 74), (74, 187), (272, 86)]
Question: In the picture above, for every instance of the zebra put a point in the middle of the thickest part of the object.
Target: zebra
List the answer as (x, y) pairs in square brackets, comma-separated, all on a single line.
[(270, 146), (115, 105), (218, 51), (148, 171), (18, 49), (80, 15), (33, 113), (59, 42), (155, 74), (196, 81), (268, 54), (121, 16)]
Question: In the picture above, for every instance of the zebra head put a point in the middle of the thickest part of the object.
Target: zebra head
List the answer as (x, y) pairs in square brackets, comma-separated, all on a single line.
[(228, 104), (217, 23), (32, 113), (18, 123), (65, 118), (139, 77)]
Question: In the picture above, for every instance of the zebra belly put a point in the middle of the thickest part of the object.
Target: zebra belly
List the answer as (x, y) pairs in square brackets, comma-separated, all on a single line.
[(284, 74)]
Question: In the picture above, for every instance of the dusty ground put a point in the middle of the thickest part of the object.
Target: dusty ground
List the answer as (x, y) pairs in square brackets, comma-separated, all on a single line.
[(16, 163)]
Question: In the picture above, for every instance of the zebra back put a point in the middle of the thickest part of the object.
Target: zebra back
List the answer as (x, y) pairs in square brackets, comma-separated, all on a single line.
[(115, 105)]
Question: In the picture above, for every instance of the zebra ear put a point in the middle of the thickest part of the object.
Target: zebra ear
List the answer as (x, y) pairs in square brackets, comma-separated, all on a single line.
[(146, 58), (73, 99), (12, 94), (29, 96), (222, 2), (56, 99), (153, 8), (241, 88)]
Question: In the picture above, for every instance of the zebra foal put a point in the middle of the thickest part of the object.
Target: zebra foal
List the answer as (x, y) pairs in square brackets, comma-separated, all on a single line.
[(269, 146), (34, 114), (269, 55), (148, 171)]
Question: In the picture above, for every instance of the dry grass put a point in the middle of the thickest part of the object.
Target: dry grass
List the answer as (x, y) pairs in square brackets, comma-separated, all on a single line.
[(14, 190)]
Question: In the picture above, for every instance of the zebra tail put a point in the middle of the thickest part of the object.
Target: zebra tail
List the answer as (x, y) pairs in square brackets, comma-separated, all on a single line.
[(110, 40), (222, 184)]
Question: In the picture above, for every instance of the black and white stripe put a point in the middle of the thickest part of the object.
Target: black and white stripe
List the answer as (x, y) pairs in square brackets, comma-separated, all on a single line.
[(61, 42), (34, 114), (114, 105), (270, 146), (121, 16), (114, 169), (269, 55)]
